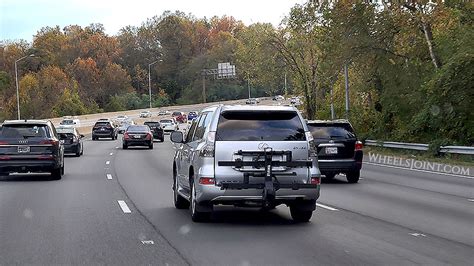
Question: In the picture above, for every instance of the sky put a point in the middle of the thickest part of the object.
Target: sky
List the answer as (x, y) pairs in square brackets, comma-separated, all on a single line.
[(21, 19)]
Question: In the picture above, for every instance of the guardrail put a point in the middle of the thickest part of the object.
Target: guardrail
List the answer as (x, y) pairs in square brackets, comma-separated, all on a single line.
[(420, 147)]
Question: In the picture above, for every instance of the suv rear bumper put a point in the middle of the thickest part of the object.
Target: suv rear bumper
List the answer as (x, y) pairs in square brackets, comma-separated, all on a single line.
[(215, 195), (23, 166), (340, 165)]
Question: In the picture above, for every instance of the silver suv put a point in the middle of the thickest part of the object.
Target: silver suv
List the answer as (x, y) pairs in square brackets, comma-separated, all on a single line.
[(250, 156)]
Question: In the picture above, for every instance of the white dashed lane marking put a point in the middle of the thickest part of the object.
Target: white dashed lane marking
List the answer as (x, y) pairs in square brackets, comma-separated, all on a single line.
[(124, 206), (109, 176), (111, 153), (108, 162), (326, 207)]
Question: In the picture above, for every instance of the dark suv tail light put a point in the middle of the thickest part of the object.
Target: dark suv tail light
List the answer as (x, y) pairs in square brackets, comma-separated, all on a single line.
[(50, 142), (126, 136), (358, 146)]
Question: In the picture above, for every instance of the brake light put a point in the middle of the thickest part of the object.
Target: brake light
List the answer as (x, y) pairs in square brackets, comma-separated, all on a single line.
[(206, 181), (4, 157), (208, 149), (315, 181), (3, 143), (49, 142), (358, 146), (148, 136), (126, 136)]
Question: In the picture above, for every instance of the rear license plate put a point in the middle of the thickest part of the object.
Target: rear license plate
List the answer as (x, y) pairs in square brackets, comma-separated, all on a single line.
[(23, 149), (331, 150), (102, 129), (136, 136)]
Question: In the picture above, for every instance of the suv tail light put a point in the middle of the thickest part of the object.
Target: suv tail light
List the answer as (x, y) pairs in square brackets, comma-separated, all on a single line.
[(312, 151), (50, 142), (208, 149), (3, 143), (148, 136), (358, 146), (126, 136), (206, 181), (315, 181)]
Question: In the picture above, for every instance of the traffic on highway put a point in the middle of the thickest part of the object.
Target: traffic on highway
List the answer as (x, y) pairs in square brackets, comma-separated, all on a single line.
[(297, 132)]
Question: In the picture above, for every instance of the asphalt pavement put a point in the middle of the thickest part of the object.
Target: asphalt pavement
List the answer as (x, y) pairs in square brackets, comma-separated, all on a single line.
[(115, 206)]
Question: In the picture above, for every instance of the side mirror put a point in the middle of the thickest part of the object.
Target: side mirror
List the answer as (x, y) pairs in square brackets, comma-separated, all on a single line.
[(177, 137)]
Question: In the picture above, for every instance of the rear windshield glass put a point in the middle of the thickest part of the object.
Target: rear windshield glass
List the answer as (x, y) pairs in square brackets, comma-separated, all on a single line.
[(102, 124), (24, 131), (176, 113), (65, 130), (138, 128), (67, 122), (152, 124), (166, 121), (260, 125), (327, 131)]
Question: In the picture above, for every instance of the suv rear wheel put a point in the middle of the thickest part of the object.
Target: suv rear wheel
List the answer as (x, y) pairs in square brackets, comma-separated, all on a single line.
[(299, 215), (353, 176), (57, 173), (196, 215)]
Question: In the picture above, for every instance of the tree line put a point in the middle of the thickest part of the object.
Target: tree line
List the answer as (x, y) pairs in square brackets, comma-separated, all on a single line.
[(410, 66)]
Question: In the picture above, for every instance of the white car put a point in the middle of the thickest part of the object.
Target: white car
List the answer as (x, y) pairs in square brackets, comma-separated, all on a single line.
[(124, 125), (70, 122), (163, 112), (169, 125), (145, 114), (121, 118)]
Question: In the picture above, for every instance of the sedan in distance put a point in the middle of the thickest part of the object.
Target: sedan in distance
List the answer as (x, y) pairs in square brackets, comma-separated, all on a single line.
[(180, 117), (169, 125), (71, 140), (156, 129), (137, 135), (145, 114)]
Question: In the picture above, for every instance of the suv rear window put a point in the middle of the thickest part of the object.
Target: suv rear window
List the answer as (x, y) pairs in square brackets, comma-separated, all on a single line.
[(102, 124), (152, 124), (24, 131), (259, 126), (327, 131)]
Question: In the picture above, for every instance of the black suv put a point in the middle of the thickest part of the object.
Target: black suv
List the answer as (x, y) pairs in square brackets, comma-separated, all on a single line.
[(30, 146), (339, 151), (104, 129), (156, 129)]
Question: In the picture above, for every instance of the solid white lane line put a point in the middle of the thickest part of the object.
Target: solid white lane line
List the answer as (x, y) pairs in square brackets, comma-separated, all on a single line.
[(417, 234), (326, 207), (108, 162), (111, 153), (124, 206), (418, 170), (109, 176)]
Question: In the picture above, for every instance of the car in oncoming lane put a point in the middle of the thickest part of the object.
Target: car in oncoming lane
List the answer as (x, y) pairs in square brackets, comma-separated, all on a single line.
[(156, 129), (339, 150), (104, 129), (30, 146), (145, 114), (71, 140), (137, 135)]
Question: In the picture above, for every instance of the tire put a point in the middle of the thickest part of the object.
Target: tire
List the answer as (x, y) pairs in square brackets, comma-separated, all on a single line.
[(57, 173), (300, 216), (124, 146), (179, 201), (353, 177), (197, 216), (78, 152), (330, 176), (94, 138)]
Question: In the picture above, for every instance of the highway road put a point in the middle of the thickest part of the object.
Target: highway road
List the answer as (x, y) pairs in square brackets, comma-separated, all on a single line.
[(392, 216)]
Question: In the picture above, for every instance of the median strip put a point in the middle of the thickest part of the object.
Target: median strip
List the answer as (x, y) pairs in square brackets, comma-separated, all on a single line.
[(124, 206)]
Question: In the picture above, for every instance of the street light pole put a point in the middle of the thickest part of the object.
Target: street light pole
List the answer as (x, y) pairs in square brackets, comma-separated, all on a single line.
[(17, 85), (149, 78)]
